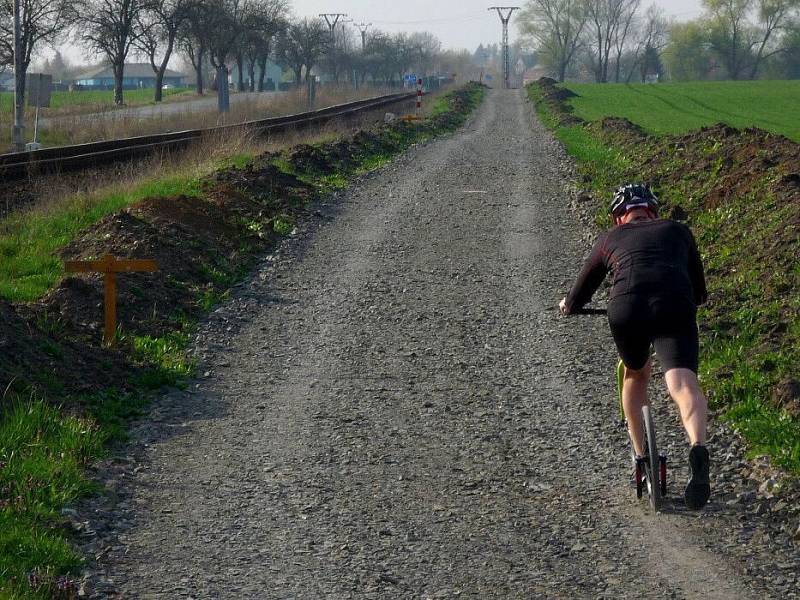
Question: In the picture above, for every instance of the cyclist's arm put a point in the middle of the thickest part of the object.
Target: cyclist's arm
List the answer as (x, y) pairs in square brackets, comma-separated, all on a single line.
[(696, 273), (589, 279)]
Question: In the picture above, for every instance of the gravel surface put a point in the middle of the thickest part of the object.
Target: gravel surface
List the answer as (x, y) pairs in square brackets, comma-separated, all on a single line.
[(391, 408)]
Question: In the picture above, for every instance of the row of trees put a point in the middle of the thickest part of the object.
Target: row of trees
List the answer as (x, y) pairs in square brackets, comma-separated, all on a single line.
[(616, 40), (211, 34)]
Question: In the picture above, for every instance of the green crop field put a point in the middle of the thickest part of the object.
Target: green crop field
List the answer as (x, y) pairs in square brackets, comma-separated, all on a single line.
[(682, 107), (95, 99)]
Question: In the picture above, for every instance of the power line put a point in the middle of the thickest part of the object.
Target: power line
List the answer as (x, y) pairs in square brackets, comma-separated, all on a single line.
[(505, 12), (444, 20)]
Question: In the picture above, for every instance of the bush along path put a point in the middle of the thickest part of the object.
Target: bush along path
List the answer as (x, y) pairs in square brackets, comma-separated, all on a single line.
[(739, 191), (68, 402)]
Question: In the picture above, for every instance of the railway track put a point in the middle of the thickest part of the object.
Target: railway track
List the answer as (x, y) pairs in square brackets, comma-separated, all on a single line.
[(21, 166)]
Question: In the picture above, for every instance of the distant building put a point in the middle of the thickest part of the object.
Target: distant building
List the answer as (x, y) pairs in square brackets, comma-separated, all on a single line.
[(136, 76), (7, 81)]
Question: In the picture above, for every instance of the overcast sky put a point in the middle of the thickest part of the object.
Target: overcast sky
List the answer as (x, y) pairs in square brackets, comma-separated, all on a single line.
[(458, 23)]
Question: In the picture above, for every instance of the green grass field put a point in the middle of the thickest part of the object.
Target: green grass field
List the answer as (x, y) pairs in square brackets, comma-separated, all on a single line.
[(95, 99), (682, 107)]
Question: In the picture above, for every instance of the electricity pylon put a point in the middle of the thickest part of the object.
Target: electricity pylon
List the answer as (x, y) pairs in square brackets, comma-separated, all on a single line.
[(505, 12), (362, 27), (332, 19)]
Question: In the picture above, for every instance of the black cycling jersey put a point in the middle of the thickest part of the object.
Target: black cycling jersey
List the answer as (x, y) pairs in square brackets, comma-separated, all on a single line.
[(657, 284), (653, 258)]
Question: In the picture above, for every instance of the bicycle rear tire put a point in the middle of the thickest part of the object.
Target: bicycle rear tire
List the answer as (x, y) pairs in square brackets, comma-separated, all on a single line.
[(653, 460)]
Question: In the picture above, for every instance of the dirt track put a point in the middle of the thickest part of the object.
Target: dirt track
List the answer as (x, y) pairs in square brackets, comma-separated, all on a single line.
[(392, 409)]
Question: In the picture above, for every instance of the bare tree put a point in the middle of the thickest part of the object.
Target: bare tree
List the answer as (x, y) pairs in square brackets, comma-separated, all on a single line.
[(425, 47), (266, 20), (159, 23), (41, 22), (221, 30), (606, 21), (109, 29), (627, 21), (302, 45), (340, 53), (651, 39), (193, 39), (555, 28), (731, 33), (772, 16)]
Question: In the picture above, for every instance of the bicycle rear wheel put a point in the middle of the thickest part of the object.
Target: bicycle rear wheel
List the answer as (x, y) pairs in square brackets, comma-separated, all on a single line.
[(653, 461)]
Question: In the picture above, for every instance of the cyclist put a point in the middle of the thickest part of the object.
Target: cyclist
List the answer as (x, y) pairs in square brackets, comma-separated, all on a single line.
[(657, 283)]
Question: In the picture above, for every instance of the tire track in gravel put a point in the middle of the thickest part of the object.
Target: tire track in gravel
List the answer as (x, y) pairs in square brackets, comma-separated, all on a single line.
[(392, 409)]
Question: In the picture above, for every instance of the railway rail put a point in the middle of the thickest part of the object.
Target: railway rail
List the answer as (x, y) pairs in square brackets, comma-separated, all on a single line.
[(19, 166)]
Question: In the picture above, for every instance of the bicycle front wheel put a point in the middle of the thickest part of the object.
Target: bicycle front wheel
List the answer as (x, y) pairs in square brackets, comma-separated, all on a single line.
[(653, 461)]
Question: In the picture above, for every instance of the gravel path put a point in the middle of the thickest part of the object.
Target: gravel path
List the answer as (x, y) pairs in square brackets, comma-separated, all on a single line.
[(391, 408)]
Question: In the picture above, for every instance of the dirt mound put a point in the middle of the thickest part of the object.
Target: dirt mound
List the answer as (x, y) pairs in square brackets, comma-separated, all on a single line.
[(621, 126), (35, 353), (555, 97), (197, 243), (739, 161)]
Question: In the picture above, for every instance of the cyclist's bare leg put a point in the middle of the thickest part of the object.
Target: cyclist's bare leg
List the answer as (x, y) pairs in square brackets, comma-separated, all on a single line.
[(692, 404), (634, 396)]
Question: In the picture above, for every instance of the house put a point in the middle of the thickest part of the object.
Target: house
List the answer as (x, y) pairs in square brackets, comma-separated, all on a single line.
[(136, 76), (7, 81)]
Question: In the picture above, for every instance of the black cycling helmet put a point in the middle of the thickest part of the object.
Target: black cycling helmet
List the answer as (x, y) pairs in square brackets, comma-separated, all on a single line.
[(632, 195)]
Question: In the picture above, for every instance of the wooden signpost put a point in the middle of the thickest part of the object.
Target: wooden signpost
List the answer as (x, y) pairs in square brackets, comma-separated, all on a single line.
[(109, 266)]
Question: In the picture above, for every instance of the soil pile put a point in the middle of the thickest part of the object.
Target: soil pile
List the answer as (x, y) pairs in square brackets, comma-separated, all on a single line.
[(555, 98), (199, 244), (35, 352)]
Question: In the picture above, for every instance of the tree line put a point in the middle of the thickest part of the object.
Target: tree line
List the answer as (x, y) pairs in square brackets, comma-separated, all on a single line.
[(618, 40), (212, 34)]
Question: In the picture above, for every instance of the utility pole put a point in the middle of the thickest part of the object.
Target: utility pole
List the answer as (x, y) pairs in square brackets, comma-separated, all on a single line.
[(505, 12), (19, 82), (362, 27), (332, 19)]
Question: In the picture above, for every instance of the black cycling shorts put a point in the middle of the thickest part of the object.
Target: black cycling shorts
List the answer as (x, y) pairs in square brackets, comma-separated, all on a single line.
[(670, 325)]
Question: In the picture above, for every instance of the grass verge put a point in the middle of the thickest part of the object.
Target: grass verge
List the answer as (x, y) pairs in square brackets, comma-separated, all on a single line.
[(47, 442), (745, 220)]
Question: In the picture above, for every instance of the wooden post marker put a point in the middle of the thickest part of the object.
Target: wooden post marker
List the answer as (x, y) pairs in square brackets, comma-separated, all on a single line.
[(109, 266)]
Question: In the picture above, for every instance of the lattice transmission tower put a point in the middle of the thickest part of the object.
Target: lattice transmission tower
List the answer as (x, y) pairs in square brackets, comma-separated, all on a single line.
[(332, 19), (505, 12), (363, 27)]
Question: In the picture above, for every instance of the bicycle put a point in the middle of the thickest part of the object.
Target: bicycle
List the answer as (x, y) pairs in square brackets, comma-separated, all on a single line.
[(650, 469)]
